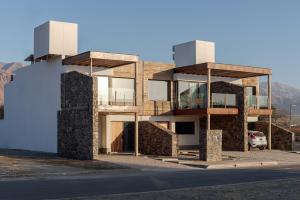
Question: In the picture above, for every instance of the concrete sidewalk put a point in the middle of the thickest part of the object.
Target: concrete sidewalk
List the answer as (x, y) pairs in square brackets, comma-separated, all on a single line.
[(188, 161), (235, 159), (144, 163)]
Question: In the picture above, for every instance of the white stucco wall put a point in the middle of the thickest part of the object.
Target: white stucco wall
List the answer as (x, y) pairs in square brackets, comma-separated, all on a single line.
[(194, 52), (31, 104), (57, 38)]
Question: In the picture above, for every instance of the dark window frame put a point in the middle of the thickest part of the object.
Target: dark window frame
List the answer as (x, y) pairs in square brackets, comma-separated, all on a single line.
[(189, 132)]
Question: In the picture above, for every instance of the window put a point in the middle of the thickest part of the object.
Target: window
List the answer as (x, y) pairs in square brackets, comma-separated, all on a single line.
[(185, 128), (103, 90), (115, 91), (122, 91), (191, 95), (158, 90)]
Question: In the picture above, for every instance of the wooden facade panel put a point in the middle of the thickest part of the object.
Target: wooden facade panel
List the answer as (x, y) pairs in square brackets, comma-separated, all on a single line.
[(126, 71), (223, 111), (223, 70), (205, 111), (257, 112), (116, 136), (157, 108), (117, 109)]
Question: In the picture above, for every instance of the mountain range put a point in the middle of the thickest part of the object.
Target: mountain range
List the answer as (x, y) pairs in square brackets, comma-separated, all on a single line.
[(283, 96), (6, 70)]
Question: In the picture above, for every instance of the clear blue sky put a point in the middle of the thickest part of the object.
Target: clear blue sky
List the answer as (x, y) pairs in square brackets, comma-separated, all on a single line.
[(256, 32)]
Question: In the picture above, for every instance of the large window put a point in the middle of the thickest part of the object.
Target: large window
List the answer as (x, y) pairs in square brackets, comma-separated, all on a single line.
[(103, 95), (115, 91), (122, 91), (158, 90), (191, 95), (185, 127)]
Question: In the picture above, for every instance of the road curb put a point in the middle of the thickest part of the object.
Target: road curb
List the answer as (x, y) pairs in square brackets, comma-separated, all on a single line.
[(232, 165)]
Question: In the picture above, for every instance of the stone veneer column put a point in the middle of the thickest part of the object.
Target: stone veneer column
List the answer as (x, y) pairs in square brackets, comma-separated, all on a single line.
[(235, 128), (78, 117), (210, 145)]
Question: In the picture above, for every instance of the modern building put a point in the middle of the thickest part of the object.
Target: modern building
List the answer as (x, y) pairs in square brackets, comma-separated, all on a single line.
[(83, 104)]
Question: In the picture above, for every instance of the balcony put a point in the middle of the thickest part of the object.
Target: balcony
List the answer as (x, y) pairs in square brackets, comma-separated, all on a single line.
[(258, 105), (257, 102), (116, 100), (221, 103), (221, 100)]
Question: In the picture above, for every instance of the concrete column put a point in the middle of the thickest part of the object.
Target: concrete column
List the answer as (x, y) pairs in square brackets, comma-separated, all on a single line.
[(270, 107), (136, 134), (108, 133), (208, 98), (91, 67), (136, 120)]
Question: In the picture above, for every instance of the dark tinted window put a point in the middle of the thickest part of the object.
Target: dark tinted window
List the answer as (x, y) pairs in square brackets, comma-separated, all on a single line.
[(185, 127)]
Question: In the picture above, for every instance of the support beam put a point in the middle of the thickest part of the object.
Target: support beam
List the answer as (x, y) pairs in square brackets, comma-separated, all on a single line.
[(136, 124), (208, 98), (270, 107), (136, 134), (91, 67)]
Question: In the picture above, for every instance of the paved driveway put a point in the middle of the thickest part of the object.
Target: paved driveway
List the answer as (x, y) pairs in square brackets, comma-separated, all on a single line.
[(282, 157), (143, 163)]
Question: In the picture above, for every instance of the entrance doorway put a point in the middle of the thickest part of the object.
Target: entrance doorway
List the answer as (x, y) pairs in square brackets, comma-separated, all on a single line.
[(122, 136)]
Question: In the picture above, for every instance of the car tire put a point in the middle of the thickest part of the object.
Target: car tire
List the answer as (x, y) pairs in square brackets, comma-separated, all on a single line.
[(261, 148)]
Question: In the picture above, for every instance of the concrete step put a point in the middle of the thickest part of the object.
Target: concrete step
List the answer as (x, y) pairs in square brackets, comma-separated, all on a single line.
[(167, 159)]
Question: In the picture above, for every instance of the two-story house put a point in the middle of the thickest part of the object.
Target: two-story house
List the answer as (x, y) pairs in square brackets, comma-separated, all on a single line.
[(80, 105)]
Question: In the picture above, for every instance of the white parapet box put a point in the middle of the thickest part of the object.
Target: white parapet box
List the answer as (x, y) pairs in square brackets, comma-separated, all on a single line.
[(193, 52), (55, 38)]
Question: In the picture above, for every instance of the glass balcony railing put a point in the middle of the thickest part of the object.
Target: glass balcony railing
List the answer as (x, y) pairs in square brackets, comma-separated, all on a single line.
[(218, 100), (257, 102), (221, 100), (116, 96), (191, 102)]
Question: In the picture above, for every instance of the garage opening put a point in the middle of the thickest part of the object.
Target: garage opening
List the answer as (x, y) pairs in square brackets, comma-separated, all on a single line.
[(122, 137)]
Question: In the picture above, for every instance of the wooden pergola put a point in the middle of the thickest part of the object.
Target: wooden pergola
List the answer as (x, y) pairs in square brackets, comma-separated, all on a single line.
[(108, 60), (229, 71)]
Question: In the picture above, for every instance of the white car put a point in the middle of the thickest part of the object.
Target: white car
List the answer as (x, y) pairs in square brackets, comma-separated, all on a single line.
[(257, 139)]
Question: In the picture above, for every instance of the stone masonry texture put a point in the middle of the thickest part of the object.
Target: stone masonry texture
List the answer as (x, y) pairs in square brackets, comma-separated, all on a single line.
[(210, 145), (235, 129), (154, 139), (282, 138), (78, 117)]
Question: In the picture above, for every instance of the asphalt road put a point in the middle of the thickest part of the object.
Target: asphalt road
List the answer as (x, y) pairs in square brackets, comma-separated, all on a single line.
[(114, 183)]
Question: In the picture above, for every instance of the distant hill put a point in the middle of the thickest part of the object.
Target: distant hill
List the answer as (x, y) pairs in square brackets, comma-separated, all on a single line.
[(283, 95), (6, 69)]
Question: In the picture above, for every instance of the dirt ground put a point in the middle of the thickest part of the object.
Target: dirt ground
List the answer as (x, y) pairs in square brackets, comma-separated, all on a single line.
[(19, 163)]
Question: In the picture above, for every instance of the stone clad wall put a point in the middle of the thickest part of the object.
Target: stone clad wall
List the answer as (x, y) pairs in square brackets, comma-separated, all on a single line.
[(78, 117), (154, 139), (210, 145), (234, 128), (282, 138)]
